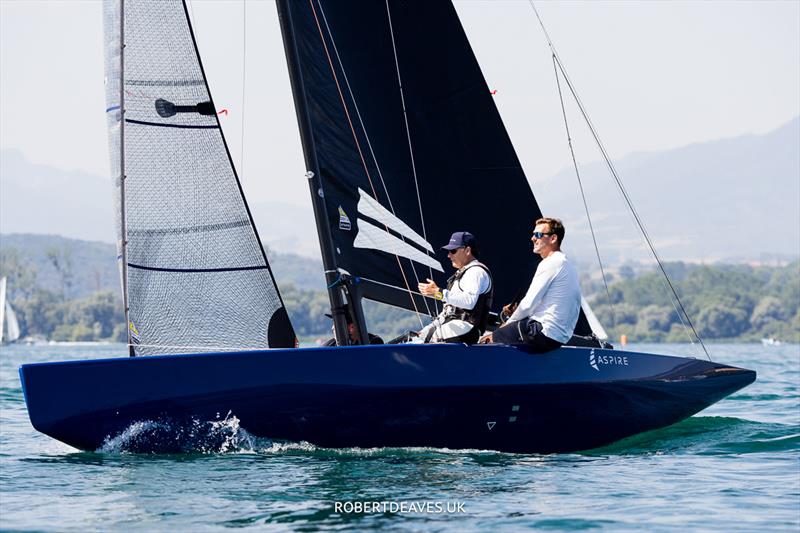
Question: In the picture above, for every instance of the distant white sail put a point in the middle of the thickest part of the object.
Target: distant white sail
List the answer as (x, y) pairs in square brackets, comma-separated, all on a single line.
[(12, 326), (2, 308), (9, 326)]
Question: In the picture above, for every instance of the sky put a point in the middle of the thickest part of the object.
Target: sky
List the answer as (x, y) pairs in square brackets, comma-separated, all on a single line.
[(653, 76)]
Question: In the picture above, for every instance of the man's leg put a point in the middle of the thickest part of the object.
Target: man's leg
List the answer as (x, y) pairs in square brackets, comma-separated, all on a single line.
[(454, 330), (510, 333), (526, 331), (471, 337)]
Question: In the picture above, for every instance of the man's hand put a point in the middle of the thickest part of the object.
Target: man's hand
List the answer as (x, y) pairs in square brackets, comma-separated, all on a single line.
[(509, 309), (428, 289), (486, 339)]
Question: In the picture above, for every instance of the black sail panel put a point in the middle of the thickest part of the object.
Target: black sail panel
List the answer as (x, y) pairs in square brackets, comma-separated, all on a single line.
[(397, 184)]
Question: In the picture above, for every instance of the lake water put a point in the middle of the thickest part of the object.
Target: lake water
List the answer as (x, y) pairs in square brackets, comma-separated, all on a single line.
[(733, 467)]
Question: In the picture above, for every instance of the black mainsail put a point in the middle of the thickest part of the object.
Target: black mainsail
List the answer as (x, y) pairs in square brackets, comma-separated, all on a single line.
[(407, 146), (195, 275)]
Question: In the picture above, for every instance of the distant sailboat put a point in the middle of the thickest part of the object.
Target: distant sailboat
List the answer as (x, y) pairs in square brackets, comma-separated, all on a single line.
[(394, 115), (9, 327)]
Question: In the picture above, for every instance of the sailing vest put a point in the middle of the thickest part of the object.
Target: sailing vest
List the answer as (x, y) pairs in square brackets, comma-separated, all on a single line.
[(478, 316)]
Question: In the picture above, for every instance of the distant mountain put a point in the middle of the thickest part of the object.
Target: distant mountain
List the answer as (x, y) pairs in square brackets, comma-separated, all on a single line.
[(731, 199), (93, 265), (735, 199), (44, 200)]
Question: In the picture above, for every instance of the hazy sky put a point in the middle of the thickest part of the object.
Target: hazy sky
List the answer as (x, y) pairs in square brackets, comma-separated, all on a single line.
[(654, 75)]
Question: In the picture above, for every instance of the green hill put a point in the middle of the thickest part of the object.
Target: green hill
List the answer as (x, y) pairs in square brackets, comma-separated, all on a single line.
[(724, 302), (67, 289)]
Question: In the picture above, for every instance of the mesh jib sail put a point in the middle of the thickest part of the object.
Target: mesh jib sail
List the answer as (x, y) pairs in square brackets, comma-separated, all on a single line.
[(197, 277)]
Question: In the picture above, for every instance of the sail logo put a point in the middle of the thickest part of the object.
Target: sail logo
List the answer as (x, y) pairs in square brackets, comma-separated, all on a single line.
[(410, 244), (134, 333), (344, 220), (596, 360)]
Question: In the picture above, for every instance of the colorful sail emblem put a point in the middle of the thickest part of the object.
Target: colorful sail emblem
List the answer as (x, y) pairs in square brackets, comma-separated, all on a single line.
[(344, 221), (134, 333)]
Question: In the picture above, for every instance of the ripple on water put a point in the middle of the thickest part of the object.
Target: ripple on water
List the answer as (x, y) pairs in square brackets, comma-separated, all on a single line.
[(710, 435)]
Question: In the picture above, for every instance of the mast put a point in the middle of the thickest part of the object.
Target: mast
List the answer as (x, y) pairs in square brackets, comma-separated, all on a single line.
[(333, 277), (123, 236)]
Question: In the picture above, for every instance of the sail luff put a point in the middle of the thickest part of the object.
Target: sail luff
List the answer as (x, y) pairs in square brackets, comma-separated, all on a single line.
[(123, 235), (313, 174)]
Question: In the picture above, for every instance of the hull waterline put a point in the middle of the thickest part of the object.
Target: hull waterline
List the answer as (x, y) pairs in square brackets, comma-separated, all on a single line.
[(480, 397)]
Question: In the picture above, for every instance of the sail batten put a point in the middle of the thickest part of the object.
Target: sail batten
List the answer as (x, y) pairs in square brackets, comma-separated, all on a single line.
[(196, 274), (187, 126), (164, 83), (189, 229)]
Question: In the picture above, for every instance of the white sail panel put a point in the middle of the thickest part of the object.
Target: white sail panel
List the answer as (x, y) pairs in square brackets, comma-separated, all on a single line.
[(374, 238), (2, 308), (9, 326), (367, 205), (12, 326), (594, 323)]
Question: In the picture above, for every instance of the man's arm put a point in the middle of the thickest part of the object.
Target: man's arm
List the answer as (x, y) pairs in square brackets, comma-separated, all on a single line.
[(541, 282)]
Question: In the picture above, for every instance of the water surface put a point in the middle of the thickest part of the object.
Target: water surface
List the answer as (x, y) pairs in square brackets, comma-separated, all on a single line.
[(732, 467)]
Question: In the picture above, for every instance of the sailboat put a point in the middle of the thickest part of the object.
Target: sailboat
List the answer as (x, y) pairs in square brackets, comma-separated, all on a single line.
[(9, 326), (396, 122)]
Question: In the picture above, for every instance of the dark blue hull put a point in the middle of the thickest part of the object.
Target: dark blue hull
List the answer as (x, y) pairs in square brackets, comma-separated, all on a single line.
[(481, 397)]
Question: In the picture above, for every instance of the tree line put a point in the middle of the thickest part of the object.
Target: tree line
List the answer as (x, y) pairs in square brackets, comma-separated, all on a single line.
[(723, 302)]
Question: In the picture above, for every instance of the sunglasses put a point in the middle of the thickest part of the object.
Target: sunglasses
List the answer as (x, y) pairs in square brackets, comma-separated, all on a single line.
[(451, 252), (539, 234)]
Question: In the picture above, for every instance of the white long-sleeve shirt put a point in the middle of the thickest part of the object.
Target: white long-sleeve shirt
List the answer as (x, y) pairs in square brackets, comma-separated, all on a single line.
[(467, 290), (553, 299), (464, 295)]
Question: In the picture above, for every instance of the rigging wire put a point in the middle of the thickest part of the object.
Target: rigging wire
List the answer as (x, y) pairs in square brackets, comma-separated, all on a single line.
[(583, 195), (244, 80), (355, 138), (408, 130), (615, 175), (372, 153)]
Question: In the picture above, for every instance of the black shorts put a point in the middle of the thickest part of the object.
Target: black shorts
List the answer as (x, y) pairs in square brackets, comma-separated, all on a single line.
[(526, 331)]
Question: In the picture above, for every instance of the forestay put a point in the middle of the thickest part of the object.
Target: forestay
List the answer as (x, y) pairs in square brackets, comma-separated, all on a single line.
[(196, 274)]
